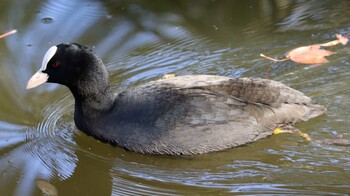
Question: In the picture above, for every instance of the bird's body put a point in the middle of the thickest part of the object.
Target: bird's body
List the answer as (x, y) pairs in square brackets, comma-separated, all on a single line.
[(192, 114)]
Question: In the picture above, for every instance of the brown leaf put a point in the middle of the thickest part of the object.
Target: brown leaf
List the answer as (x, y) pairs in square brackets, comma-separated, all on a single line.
[(309, 54)]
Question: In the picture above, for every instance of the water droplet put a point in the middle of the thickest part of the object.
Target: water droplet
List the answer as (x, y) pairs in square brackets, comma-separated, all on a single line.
[(47, 20)]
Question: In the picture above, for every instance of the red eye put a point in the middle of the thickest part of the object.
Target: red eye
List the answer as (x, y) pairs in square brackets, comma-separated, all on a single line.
[(55, 65)]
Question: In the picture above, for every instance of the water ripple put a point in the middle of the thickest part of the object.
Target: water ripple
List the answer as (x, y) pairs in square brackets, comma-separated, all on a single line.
[(45, 151), (91, 10)]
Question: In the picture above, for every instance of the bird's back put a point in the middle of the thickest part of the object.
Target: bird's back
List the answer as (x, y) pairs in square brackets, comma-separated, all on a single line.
[(200, 114)]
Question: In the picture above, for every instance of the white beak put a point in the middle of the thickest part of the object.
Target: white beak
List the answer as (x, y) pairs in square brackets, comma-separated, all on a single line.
[(40, 77), (37, 79)]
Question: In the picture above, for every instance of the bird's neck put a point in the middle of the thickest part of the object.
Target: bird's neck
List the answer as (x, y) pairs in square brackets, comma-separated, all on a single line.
[(93, 95), (91, 109), (93, 102)]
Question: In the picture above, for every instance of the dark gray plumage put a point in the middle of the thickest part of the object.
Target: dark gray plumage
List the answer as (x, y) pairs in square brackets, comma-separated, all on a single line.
[(181, 115)]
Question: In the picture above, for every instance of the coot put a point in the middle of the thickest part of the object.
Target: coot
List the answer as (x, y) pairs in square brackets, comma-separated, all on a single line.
[(191, 114)]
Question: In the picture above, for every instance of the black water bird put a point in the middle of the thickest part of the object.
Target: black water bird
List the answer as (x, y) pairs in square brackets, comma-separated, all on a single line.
[(191, 114)]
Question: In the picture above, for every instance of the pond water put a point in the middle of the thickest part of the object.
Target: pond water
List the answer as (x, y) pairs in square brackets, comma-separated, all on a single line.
[(141, 41)]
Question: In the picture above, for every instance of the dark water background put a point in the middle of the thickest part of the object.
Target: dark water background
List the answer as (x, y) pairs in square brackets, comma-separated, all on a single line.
[(140, 41)]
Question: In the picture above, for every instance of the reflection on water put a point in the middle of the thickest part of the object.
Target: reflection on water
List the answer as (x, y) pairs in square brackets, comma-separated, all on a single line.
[(45, 151), (311, 16), (141, 41)]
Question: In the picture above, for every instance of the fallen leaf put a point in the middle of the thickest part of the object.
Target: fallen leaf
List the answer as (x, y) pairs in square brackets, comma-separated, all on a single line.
[(312, 54), (309, 54)]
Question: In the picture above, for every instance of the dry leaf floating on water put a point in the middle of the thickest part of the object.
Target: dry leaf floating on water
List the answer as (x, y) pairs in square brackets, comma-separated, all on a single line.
[(309, 54), (312, 54)]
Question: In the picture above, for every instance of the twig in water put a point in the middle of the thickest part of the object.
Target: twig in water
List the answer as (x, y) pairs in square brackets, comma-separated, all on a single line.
[(8, 33)]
